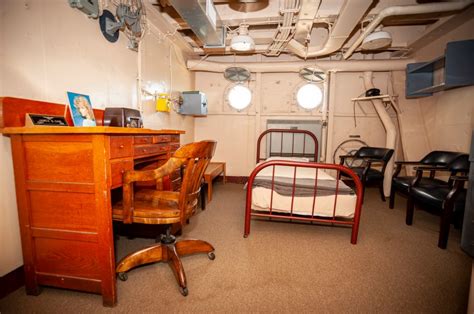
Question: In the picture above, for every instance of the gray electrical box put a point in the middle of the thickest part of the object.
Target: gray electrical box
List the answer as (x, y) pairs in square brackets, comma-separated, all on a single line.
[(194, 103)]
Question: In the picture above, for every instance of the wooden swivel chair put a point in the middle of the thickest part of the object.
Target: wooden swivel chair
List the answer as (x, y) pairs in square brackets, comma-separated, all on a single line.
[(166, 207)]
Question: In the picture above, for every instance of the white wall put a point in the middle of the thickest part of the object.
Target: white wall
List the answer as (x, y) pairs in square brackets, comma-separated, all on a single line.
[(48, 48), (273, 98)]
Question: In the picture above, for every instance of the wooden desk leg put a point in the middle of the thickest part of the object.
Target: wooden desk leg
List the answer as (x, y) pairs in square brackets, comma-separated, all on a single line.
[(209, 189), (223, 179)]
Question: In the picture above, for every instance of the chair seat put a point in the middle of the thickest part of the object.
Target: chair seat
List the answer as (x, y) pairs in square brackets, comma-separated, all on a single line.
[(372, 175), (158, 211), (434, 198), (402, 184)]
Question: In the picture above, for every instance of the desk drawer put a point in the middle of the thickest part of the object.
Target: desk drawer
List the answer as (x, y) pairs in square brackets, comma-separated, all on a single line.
[(141, 140), (173, 147), (174, 138), (117, 168), (121, 146), (162, 138), (146, 150)]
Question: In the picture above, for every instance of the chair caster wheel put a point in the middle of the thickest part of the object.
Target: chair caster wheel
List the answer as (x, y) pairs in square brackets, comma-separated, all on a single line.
[(184, 291), (211, 256), (122, 276)]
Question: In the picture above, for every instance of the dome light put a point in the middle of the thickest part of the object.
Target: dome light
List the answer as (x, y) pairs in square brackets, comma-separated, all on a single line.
[(242, 41)]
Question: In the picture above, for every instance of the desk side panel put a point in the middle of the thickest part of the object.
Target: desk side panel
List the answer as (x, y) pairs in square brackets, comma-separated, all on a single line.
[(65, 202)]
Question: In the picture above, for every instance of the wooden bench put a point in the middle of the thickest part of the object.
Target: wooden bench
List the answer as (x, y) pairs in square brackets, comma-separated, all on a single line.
[(213, 170)]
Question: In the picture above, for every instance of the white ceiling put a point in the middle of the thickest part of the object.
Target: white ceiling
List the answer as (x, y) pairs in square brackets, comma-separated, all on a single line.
[(408, 32)]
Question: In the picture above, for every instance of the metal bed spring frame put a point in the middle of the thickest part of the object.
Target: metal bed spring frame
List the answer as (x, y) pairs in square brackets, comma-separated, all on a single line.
[(354, 222)]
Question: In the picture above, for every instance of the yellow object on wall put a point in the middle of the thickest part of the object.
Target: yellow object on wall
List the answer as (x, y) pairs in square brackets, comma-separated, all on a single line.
[(162, 103)]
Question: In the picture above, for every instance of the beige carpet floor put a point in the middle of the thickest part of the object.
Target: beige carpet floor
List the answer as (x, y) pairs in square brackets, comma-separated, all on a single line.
[(290, 268)]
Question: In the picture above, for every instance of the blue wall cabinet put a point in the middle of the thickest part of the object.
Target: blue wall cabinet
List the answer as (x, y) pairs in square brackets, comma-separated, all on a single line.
[(454, 69)]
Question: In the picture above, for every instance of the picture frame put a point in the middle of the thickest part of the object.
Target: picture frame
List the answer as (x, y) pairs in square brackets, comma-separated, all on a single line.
[(81, 109), (34, 120)]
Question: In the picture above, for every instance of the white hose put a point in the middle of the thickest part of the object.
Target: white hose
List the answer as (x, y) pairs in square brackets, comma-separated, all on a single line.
[(391, 136)]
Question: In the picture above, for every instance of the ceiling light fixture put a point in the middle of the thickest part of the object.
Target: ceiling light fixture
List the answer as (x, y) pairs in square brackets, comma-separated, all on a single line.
[(376, 40), (242, 41)]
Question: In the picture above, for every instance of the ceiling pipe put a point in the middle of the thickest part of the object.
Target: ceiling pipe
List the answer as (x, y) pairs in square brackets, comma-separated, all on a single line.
[(406, 10), (351, 13), (295, 67)]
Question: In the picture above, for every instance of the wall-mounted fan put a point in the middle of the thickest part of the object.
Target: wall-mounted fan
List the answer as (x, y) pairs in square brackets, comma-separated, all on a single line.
[(130, 17), (237, 74), (312, 75)]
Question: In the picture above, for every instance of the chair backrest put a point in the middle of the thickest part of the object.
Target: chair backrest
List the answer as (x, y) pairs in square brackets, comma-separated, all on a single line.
[(439, 158), (380, 153), (460, 164), (194, 158)]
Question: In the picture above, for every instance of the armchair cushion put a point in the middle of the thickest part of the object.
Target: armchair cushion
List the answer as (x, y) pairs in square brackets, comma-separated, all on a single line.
[(434, 197), (402, 184)]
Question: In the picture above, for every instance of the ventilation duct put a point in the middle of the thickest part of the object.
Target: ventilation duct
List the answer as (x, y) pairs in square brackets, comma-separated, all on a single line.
[(294, 67), (202, 18), (351, 13), (406, 10)]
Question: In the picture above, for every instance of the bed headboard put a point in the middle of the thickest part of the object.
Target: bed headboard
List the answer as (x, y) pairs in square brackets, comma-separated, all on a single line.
[(291, 143)]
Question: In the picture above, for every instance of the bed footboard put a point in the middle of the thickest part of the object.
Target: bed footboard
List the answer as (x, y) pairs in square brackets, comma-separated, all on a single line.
[(292, 189)]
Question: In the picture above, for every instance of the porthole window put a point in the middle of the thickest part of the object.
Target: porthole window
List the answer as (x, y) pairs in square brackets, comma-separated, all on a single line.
[(239, 97), (309, 96)]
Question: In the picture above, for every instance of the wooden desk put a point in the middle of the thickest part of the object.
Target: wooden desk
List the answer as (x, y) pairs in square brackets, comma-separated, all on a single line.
[(63, 179), (212, 171)]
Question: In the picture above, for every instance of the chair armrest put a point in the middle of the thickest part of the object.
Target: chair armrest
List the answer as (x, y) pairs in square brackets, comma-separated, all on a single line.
[(156, 174), (408, 163), (431, 168), (143, 175), (346, 156), (371, 160), (459, 178)]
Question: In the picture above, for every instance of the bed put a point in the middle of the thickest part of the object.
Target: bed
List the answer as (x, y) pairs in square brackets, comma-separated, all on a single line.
[(289, 184)]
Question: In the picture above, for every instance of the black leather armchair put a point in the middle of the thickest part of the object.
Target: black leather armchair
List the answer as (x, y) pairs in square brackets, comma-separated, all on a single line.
[(447, 199), (369, 156), (401, 184)]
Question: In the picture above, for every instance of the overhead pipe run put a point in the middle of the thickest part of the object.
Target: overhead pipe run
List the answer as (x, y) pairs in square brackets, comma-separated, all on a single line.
[(406, 10), (351, 13), (294, 67)]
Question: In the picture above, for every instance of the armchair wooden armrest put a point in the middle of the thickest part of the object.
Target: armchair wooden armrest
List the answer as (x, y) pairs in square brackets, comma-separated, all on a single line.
[(408, 163), (431, 168), (459, 178), (342, 158), (145, 175), (400, 164)]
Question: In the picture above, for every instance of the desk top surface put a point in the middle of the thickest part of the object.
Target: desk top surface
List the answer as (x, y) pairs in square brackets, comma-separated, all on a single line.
[(85, 130)]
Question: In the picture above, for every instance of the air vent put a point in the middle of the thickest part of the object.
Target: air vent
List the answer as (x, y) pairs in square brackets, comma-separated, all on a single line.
[(237, 74)]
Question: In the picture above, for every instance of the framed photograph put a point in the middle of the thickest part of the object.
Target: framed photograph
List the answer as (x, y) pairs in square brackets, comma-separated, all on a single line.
[(81, 109)]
